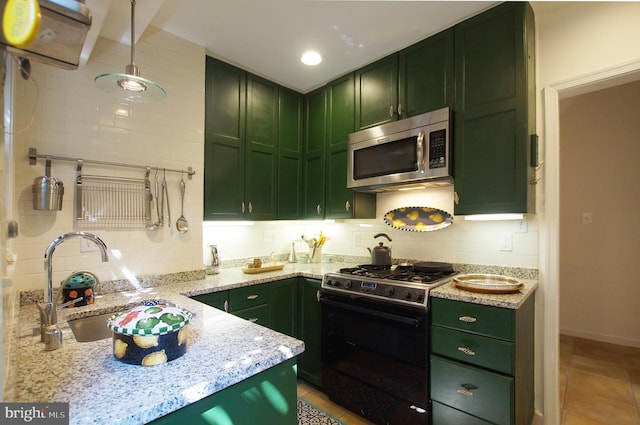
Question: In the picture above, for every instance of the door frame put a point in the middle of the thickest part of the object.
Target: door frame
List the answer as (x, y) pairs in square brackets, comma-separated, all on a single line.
[(549, 245)]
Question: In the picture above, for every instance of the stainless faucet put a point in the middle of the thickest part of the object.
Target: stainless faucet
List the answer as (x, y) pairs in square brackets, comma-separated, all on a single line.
[(49, 316)]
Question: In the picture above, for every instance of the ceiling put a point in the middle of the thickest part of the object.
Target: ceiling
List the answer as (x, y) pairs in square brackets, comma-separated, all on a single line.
[(267, 37)]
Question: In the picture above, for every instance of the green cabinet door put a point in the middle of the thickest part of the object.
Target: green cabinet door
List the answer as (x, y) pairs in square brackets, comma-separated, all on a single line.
[(290, 160), (268, 398), (314, 154), (426, 75), (309, 363), (224, 151), (494, 111), (376, 93), (340, 201), (283, 306), (218, 300), (261, 149)]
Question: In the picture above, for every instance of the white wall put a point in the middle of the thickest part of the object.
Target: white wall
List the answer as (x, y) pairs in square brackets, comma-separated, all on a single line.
[(62, 113), (578, 38), (599, 270)]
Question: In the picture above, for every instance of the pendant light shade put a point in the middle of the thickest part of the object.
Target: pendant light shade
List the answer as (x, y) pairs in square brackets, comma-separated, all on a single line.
[(130, 85)]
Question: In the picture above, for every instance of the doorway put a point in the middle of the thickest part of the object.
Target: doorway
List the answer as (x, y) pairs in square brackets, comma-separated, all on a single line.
[(550, 222)]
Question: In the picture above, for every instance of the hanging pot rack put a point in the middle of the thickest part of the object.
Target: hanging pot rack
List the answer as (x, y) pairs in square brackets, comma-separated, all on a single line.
[(34, 155)]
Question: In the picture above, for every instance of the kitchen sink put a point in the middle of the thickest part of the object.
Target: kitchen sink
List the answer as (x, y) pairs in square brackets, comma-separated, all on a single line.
[(91, 328)]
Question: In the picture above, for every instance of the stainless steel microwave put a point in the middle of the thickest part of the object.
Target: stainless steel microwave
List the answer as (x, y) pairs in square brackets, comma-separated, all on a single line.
[(412, 152)]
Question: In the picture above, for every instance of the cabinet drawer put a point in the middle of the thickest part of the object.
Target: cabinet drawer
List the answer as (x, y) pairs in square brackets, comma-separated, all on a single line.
[(248, 296), (475, 391), (258, 314), (482, 319), (478, 350), (445, 415)]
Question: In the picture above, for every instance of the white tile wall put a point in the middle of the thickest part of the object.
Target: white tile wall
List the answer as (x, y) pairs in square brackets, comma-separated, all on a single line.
[(61, 113), (462, 242)]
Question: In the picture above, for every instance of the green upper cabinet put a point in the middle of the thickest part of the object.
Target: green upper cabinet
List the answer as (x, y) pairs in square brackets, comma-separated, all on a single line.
[(377, 93), (253, 146), (426, 75), (342, 202), (415, 80), (314, 154), (290, 159), (224, 152), (260, 199), (494, 111)]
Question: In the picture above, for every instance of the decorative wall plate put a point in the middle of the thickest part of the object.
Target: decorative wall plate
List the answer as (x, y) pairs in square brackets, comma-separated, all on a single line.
[(418, 219)]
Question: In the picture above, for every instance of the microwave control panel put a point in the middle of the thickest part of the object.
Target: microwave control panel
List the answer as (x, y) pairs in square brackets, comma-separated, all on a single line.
[(437, 149)]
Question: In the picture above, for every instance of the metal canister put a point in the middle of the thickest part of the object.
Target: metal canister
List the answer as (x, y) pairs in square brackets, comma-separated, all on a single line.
[(47, 191)]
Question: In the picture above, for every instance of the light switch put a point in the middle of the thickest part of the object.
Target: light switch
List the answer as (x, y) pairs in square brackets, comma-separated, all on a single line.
[(506, 242)]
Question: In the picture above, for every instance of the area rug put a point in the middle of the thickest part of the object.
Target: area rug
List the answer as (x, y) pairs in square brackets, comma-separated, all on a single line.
[(309, 414)]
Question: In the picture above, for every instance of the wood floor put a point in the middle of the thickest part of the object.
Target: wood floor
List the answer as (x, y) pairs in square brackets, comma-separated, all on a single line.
[(599, 383), (317, 398)]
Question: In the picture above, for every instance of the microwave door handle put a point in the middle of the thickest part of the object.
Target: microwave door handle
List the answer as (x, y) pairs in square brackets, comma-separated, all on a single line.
[(420, 152)]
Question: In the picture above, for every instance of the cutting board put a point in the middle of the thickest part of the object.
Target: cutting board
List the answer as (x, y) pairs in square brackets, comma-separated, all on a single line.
[(263, 269)]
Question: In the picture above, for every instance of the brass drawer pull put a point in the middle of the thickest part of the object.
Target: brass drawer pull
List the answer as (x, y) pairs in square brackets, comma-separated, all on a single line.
[(467, 351), (465, 392), (252, 297), (467, 319)]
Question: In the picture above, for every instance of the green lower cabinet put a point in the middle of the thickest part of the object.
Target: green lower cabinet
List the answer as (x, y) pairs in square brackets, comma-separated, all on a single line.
[(268, 398), (476, 391), (283, 306), (258, 314), (482, 360), (445, 415), (218, 300), (481, 350), (310, 365)]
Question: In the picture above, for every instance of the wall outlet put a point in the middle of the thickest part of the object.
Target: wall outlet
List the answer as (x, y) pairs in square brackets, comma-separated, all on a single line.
[(520, 226), (269, 237), (506, 242)]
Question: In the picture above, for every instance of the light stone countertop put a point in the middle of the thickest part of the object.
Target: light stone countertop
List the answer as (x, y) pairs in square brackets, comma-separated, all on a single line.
[(513, 301), (223, 350)]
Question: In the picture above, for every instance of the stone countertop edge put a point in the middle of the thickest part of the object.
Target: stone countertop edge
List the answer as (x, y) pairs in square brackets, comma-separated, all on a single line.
[(513, 301), (223, 350)]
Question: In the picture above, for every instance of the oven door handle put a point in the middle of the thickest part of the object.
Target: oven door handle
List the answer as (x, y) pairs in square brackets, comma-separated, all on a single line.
[(380, 314)]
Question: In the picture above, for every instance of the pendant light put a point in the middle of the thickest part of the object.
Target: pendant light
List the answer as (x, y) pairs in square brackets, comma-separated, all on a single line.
[(130, 86)]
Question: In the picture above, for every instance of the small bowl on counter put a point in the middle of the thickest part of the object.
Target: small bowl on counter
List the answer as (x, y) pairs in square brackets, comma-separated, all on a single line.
[(150, 334)]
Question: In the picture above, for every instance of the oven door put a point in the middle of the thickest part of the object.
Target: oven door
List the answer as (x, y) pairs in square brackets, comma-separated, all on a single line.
[(375, 359)]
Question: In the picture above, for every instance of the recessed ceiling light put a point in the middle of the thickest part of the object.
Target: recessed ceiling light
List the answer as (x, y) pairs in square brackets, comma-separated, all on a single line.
[(311, 58)]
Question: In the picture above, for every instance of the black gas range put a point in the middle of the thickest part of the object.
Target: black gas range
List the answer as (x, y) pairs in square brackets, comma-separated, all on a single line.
[(375, 332), (401, 284)]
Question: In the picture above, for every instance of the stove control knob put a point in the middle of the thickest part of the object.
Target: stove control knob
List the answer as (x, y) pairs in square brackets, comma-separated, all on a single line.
[(389, 290), (347, 284), (332, 282), (407, 295), (419, 298)]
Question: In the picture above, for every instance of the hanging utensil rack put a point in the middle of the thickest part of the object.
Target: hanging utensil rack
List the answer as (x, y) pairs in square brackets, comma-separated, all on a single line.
[(113, 202), (34, 155), (110, 201)]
